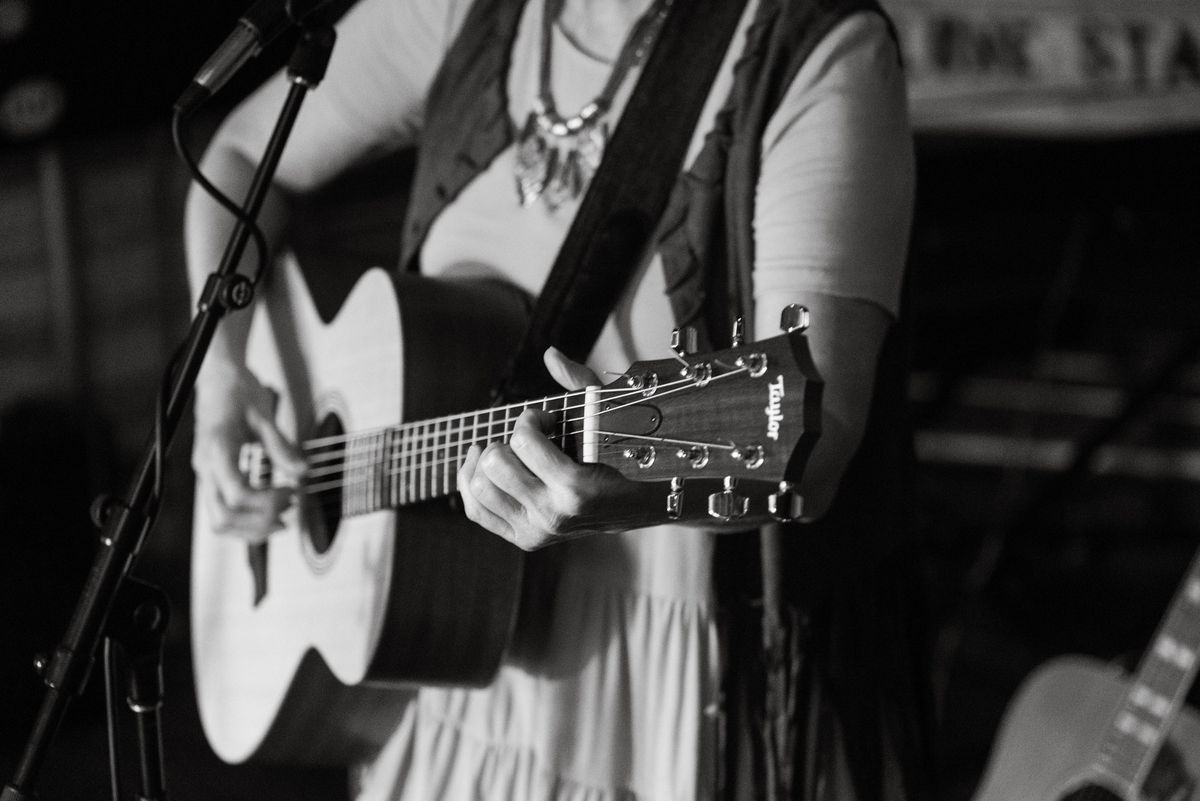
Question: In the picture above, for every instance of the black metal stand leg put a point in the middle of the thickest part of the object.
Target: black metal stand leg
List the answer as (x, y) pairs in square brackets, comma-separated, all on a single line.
[(139, 625)]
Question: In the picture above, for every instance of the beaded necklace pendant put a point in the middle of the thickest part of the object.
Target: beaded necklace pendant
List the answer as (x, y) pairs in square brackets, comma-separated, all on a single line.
[(556, 157)]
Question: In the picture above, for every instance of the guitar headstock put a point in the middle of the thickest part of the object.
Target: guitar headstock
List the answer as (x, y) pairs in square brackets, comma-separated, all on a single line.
[(745, 417)]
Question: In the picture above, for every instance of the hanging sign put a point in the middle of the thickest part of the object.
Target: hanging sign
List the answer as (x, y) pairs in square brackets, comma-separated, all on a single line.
[(1051, 66)]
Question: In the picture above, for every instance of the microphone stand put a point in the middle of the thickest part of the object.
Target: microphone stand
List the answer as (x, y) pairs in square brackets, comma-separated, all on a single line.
[(112, 603)]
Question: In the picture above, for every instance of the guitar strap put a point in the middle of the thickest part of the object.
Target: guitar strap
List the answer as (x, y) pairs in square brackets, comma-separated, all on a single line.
[(628, 193)]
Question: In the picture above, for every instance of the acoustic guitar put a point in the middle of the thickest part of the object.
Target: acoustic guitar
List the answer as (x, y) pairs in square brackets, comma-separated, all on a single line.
[(1080, 730), (375, 584)]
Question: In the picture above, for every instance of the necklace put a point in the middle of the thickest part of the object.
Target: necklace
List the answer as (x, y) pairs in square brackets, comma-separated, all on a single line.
[(557, 156)]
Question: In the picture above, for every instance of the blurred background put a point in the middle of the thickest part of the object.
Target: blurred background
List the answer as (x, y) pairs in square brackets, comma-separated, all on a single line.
[(1055, 267)]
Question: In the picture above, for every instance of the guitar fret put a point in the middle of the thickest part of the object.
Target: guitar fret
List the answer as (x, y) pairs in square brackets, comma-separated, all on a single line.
[(373, 467), (347, 475), (393, 467), (445, 440), (1171, 651), (423, 457), (431, 458), (1153, 702), (565, 414), (1131, 725), (379, 465), (458, 458), (354, 472), (435, 481), (405, 471), (419, 463), (409, 447), (364, 474), (372, 443), (443, 455)]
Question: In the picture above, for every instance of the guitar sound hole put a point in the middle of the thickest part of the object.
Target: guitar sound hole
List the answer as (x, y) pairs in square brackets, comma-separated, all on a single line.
[(325, 506), (1092, 792)]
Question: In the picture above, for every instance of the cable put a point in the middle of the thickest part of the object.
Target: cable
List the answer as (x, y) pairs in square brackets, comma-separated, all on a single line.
[(260, 241)]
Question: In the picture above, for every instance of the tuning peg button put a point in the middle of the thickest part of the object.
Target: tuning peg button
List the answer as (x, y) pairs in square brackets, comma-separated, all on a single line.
[(794, 318), (785, 505), (727, 504), (683, 341), (675, 499)]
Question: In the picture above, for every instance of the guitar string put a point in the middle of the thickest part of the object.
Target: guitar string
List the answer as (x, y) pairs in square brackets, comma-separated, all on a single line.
[(366, 460), (486, 426), (506, 429), (626, 392), (365, 436), (431, 486), (314, 489)]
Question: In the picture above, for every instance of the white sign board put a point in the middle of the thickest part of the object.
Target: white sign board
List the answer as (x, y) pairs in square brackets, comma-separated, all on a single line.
[(1056, 67)]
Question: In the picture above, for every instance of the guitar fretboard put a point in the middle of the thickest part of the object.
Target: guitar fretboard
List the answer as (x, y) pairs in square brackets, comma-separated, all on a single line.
[(419, 461), (1136, 733)]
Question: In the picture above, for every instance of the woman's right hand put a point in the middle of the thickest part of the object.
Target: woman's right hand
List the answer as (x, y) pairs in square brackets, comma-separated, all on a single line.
[(232, 409)]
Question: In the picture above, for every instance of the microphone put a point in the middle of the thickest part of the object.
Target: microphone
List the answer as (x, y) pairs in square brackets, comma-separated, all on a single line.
[(260, 25)]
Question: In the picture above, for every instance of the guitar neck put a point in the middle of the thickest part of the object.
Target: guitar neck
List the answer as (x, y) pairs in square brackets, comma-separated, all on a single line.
[(1156, 694), (419, 460)]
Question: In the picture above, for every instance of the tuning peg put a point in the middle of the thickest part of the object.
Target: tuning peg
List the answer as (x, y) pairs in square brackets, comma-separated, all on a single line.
[(794, 318), (683, 341), (749, 455), (675, 499), (646, 383), (697, 455), (643, 455), (738, 337), (785, 505), (727, 504)]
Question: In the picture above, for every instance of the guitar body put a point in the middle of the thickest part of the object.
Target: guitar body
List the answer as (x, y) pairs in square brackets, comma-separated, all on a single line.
[(1054, 728), (308, 657)]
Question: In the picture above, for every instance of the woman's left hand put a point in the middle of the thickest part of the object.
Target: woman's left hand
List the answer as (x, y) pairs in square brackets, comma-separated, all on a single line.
[(532, 494)]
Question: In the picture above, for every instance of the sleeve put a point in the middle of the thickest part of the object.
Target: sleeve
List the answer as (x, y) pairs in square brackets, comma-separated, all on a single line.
[(834, 201), (373, 95)]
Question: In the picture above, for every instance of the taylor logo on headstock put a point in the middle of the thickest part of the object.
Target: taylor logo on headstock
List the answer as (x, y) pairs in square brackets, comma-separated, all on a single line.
[(774, 408)]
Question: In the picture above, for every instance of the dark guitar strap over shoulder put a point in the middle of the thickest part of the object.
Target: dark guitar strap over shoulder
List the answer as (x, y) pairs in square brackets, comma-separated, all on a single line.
[(628, 192)]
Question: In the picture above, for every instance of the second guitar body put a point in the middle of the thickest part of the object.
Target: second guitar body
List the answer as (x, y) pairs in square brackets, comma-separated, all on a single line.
[(1053, 731)]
